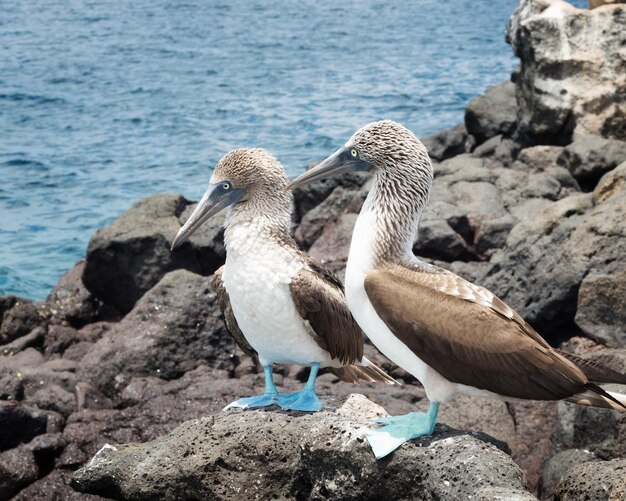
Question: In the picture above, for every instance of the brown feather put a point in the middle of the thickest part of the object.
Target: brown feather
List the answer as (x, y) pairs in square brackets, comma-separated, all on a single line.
[(318, 297), (469, 336), (217, 284), (595, 372)]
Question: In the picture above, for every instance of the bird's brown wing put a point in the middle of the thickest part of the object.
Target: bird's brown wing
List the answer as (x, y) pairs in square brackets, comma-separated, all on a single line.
[(469, 336), (318, 296), (229, 317)]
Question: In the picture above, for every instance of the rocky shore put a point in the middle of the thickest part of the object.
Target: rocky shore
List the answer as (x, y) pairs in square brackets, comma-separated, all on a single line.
[(529, 200)]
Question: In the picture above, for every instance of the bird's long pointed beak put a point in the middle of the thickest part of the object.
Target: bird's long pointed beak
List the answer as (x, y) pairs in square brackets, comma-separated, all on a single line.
[(339, 162), (212, 202)]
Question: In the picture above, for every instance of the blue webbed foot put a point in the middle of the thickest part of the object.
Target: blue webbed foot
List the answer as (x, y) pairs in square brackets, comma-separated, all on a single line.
[(305, 400), (264, 400), (400, 429), (270, 397)]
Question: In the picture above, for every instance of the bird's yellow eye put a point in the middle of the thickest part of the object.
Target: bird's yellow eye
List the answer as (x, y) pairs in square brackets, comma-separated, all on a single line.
[(226, 186), (354, 153)]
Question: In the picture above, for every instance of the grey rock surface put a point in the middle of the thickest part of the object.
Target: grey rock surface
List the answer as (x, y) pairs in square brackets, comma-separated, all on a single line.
[(70, 301), (303, 456), (18, 317), (448, 143), (172, 329), (127, 258), (601, 308), (593, 480), (589, 157), (558, 464), (540, 269), (493, 113)]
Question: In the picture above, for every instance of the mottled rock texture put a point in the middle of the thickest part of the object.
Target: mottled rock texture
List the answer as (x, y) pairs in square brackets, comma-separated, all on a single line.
[(264, 455), (572, 77)]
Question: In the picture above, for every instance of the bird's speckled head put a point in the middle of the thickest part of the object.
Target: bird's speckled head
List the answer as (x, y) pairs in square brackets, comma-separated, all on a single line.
[(252, 183), (254, 170), (386, 144)]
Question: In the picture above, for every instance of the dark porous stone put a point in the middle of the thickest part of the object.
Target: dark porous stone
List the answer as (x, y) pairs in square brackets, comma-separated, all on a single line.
[(556, 467), (127, 258), (34, 339), (19, 424), (314, 222), (18, 468), (448, 143), (546, 257), (601, 311), (172, 329), (593, 480), (18, 317), (70, 301), (589, 157), (492, 113), (310, 195), (54, 487), (302, 456)]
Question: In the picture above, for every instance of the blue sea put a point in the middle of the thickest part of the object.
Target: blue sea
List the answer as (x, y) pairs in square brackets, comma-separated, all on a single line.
[(105, 102)]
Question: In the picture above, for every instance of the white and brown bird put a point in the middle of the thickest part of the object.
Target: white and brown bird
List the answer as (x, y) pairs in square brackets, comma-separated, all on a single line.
[(452, 335), (277, 301)]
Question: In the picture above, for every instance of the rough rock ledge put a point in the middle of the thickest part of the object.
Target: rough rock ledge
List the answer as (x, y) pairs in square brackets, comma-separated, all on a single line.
[(274, 454)]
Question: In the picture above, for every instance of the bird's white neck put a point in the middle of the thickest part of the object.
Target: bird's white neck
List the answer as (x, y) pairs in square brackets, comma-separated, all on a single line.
[(389, 219)]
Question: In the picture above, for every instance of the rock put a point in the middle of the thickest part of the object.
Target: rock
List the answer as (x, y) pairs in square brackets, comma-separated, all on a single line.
[(70, 301), (340, 201), (612, 183), (546, 257), (570, 79), (53, 487), (18, 318), (539, 158), (311, 195), (17, 469), (53, 397), (301, 456), (33, 339), (127, 258), (19, 424), (449, 143), (492, 113), (437, 240), (172, 329), (601, 310), (333, 245), (557, 466), (459, 164), (601, 431), (593, 480), (11, 383), (589, 157)]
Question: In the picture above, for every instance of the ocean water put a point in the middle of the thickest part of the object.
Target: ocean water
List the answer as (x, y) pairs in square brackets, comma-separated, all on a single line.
[(105, 102)]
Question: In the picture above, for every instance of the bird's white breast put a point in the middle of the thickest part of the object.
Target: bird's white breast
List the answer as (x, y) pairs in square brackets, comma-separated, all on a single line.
[(361, 261), (257, 275)]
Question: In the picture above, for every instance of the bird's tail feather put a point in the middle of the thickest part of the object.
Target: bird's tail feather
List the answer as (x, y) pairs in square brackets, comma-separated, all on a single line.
[(606, 399), (595, 372), (366, 370)]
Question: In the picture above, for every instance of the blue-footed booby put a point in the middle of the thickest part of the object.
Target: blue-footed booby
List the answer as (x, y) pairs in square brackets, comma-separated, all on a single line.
[(277, 301), (452, 335)]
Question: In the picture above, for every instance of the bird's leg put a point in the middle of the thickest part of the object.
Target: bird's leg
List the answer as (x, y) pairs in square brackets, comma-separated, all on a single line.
[(400, 429), (305, 399), (270, 397)]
